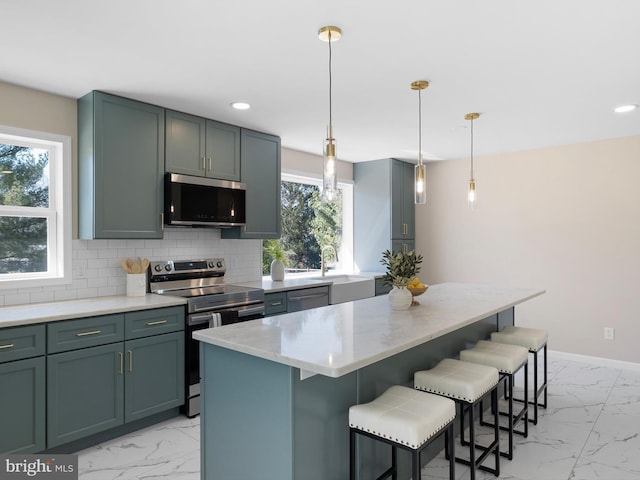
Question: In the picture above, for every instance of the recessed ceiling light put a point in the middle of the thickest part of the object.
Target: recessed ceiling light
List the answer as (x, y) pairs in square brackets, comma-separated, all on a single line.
[(241, 106), (625, 108)]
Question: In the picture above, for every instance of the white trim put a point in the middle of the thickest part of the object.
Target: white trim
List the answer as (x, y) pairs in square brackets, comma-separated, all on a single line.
[(603, 362), (59, 212)]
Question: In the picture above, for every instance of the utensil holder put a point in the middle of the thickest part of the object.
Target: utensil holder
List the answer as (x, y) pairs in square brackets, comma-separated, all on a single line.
[(136, 284)]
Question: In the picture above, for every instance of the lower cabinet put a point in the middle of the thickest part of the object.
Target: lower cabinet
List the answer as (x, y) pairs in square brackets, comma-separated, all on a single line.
[(22, 406), (22, 389), (137, 371), (296, 300)]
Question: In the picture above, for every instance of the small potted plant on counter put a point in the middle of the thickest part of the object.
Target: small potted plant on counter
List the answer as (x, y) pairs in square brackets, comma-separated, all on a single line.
[(402, 270), (274, 250)]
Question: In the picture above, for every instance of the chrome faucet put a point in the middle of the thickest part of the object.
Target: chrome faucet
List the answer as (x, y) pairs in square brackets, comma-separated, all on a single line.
[(323, 266)]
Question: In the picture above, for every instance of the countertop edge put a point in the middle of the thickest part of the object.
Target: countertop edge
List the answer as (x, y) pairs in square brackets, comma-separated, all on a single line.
[(36, 313)]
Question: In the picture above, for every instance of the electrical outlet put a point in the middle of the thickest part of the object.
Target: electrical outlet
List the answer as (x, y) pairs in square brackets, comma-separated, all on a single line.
[(609, 333)]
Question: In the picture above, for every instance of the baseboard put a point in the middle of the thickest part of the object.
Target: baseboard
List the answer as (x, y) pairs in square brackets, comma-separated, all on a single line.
[(603, 362)]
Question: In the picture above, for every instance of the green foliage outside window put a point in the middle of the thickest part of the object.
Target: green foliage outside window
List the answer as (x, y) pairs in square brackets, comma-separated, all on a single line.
[(23, 183), (308, 224)]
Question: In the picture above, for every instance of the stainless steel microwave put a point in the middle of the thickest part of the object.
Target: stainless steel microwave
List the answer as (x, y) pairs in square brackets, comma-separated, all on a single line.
[(200, 201)]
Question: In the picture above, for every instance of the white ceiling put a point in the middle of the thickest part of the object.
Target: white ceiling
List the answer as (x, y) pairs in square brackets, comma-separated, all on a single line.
[(541, 73)]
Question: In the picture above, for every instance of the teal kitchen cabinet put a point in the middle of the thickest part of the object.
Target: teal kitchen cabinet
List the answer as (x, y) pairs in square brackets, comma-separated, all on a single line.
[(121, 149), (295, 300), (275, 303), (260, 167), (137, 372), (202, 147), (22, 389), (383, 210)]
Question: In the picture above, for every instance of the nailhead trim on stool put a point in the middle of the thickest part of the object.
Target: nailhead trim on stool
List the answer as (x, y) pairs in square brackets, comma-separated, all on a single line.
[(534, 340), (508, 359), (403, 418), (467, 384)]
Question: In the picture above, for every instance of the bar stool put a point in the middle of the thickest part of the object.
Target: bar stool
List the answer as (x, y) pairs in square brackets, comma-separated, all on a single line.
[(466, 384), (508, 359), (403, 418), (532, 339)]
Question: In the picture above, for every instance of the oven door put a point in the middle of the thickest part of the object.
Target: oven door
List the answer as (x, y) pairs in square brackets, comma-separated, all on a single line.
[(199, 321)]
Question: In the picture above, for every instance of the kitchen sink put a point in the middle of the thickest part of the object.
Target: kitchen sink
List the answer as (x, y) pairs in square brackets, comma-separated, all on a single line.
[(345, 288)]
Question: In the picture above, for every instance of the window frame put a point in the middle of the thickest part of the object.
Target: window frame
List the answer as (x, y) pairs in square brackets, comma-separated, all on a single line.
[(58, 214), (345, 254)]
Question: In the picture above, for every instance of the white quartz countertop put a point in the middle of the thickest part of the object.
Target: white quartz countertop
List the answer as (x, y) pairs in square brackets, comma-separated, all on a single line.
[(270, 286), (53, 311), (339, 339)]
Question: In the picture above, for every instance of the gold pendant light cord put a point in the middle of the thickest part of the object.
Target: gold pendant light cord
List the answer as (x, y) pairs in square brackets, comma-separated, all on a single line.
[(419, 127), (472, 149), (330, 102)]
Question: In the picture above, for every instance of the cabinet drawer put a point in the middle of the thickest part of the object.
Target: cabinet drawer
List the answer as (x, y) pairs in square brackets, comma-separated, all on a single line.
[(17, 343), (153, 322), (275, 303), (84, 332)]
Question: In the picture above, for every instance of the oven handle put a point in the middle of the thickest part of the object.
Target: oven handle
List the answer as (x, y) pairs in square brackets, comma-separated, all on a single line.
[(243, 311), (229, 306)]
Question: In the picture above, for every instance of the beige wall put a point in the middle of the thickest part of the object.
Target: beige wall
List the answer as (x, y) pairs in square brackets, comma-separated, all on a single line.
[(296, 161), (34, 110), (566, 219)]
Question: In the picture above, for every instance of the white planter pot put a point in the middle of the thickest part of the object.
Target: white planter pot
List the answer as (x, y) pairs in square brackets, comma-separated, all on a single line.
[(277, 271), (400, 298)]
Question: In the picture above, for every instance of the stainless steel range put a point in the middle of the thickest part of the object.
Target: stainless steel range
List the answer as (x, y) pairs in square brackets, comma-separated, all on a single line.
[(210, 303)]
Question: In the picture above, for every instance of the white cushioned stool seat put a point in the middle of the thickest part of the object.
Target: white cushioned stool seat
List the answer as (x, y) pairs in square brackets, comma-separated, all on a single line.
[(403, 415), (457, 379), (535, 340), (506, 358), (531, 338)]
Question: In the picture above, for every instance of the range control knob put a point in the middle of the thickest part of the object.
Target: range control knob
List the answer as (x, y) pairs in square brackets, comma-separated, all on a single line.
[(157, 268), (219, 264), (167, 267), (210, 264)]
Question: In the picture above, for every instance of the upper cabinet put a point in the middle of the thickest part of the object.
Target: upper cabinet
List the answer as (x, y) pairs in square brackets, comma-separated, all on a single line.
[(201, 147), (383, 210), (120, 167), (260, 158)]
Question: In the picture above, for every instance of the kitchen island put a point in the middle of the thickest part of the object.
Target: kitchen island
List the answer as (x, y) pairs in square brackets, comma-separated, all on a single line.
[(276, 391)]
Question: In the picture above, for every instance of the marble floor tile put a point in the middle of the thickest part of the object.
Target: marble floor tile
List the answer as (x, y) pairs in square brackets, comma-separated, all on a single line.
[(591, 430)]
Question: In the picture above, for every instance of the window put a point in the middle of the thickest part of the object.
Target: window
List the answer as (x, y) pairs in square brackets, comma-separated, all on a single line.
[(35, 208), (308, 224)]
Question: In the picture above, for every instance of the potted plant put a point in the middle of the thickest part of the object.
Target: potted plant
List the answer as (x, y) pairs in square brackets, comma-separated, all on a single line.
[(276, 252), (402, 268)]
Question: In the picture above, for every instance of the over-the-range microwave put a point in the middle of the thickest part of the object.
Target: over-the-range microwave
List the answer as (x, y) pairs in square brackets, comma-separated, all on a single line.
[(200, 201)]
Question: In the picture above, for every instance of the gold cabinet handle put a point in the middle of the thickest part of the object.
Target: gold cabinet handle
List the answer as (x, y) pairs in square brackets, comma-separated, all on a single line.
[(203, 161), (8, 345), (92, 332), (209, 162), (121, 355), (162, 221), (157, 322), (130, 360), (276, 303)]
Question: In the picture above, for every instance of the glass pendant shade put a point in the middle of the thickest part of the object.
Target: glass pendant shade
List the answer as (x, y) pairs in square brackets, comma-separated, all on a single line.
[(329, 174), (420, 187), (420, 174), (472, 197)]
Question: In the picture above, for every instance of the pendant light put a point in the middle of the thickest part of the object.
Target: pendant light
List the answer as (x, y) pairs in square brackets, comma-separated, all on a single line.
[(329, 175), (420, 175), (472, 199)]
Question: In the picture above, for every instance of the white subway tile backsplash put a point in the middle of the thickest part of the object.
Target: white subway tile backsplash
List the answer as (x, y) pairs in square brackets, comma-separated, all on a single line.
[(97, 271)]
